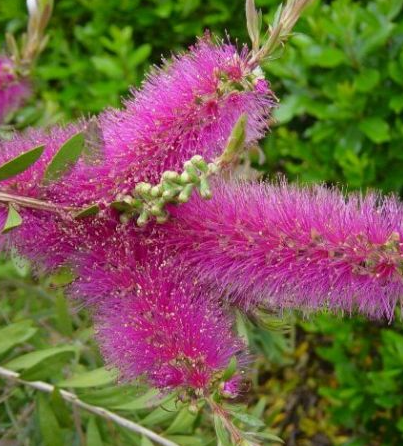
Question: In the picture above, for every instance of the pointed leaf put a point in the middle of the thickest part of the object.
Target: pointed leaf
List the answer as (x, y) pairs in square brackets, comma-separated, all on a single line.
[(32, 359), (235, 141), (231, 369), (93, 435), (182, 423), (13, 220), (65, 158), (248, 419), (15, 334), (221, 432), (20, 163), (94, 378), (93, 209), (146, 442), (49, 427)]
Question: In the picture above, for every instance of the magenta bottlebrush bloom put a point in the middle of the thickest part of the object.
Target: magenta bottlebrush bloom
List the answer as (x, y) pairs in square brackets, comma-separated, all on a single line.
[(280, 245), (187, 107), (166, 330), (48, 237), (13, 90)]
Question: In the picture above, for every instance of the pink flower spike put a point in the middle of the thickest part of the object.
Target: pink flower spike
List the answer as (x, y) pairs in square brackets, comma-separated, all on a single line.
[(305, 248)]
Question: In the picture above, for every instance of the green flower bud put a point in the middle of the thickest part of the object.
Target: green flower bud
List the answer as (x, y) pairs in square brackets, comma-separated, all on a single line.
[(170, 193), (124, 219), (199, 162), (142, 188), (213, 168), (157, 208), (156, 191), (170, 175), (143, 218), (162, 218), (185, 178), (205, 190), (191, 170), (186, 193)]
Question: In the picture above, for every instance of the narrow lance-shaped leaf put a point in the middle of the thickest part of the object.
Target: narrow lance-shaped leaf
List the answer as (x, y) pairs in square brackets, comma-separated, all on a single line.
[(235, 141), (49, 427), (13, 220), (93, 209), (231, 369), (65, 158), (93, 435), (253, 24), (20, 163)]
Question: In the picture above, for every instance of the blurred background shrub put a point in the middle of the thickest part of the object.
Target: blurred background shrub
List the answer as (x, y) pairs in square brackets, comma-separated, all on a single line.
[(322, 382)]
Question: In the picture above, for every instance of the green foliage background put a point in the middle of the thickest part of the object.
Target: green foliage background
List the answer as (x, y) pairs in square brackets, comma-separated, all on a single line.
[(323, 381)]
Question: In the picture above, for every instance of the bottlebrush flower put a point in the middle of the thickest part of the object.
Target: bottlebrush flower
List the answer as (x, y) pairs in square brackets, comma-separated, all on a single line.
[(13, 91), (188, 106), (304, 248), (165, 329), (46, 237)]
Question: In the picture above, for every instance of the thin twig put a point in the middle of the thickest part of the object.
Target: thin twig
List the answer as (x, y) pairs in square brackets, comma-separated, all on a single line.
[(100, 411), (33, 203)]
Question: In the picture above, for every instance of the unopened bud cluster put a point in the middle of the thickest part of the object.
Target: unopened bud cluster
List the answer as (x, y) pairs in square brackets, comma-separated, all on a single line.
[(148, 201)]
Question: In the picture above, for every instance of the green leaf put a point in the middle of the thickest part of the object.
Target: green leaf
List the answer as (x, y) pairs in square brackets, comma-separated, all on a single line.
[(235, 141), (62, 315), (65, 158), (146, 441), (93, 209), (13, 220), (49, 427), (376, 129), (94, 378), (190, 440), (231, 369), (110, 397), (323, 56), (15, 334), (32, 359), (140, 54), (221, 432), (182, 423), (93, 435), (61, 409), (396, 103), (166, 411), (141, 402), (20, 163), (248, 419), (367, 80), (266, 436)]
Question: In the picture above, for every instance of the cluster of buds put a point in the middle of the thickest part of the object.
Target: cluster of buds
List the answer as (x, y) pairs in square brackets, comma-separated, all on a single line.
[(149, 200)]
